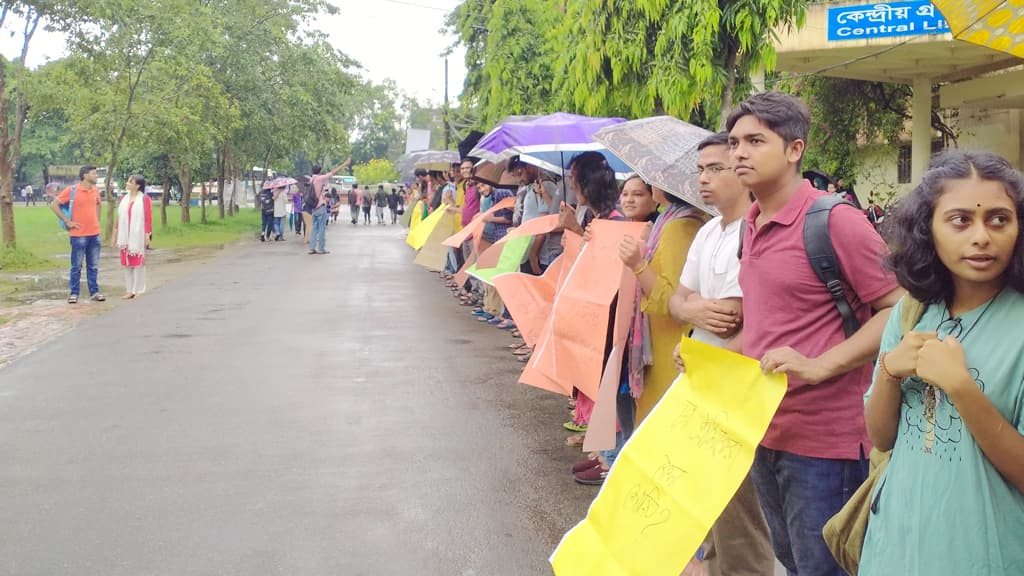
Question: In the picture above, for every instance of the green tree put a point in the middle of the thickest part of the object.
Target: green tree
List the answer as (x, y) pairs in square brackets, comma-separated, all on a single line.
[(378, 122), (654, 57), (128, 61), (508, 56), (847, 115), (375, 171), (13, 120)]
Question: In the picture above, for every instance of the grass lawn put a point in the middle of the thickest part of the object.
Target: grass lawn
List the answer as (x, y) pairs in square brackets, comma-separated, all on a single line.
[(43, 245)]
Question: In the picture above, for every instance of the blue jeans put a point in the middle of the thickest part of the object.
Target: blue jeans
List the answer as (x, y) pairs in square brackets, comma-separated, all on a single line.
[(451, 264), (610, 455), (279, 225), (89, 247), (267, 225), (318, 235), (798, 495)]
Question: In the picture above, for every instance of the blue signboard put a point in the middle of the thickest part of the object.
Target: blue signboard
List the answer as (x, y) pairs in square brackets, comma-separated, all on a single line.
[(885, 19)]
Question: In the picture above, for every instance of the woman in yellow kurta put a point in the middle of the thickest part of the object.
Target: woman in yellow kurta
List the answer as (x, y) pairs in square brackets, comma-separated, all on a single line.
[(657, 265)]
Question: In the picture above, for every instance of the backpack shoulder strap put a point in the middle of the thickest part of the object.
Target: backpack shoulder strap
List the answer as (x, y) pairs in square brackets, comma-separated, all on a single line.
[(822, 257), (743, 230), (913, 310)]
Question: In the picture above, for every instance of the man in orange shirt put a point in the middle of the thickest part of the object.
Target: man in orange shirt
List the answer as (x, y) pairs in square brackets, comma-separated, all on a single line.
[(84, 228)]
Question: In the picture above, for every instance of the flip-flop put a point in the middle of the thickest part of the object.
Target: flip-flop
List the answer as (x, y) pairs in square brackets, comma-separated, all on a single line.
[(574, 427)]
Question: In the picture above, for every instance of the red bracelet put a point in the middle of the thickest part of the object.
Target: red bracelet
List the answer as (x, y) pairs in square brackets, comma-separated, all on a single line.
[(885, 371)]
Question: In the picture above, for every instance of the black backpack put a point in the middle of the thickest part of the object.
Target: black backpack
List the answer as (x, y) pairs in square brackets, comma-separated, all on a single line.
[(267, 201), (310, 199), (822, 257)]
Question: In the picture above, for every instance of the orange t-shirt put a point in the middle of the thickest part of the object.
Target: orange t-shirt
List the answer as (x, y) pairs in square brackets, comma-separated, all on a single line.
[(84, 212)]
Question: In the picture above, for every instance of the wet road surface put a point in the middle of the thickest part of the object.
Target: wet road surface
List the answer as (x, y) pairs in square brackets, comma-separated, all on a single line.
[(281, 413)]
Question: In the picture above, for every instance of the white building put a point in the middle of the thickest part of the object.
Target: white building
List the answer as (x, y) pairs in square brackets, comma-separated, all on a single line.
[(908, 42)]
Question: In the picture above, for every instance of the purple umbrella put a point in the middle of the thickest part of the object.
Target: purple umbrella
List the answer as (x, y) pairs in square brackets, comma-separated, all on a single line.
[(558, 132), (548, 142)]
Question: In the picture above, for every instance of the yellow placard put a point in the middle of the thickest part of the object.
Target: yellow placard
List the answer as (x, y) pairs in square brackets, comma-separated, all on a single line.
[(419, 233), (434, 254), (678, 471)]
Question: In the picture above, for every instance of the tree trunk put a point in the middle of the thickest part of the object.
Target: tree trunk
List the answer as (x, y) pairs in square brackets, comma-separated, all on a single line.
[(185, 176), (108, 192), (7, 201), (10, 146), (221, 161), (204, 194), (164, 198), (728, 93), (6, 165), (256, 191)]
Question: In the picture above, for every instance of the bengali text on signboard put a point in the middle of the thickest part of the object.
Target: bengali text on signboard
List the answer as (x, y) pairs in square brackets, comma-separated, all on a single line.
[(885, 19)]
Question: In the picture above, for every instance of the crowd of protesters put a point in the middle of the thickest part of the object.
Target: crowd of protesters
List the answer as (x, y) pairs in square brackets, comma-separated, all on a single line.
[(945, 394)]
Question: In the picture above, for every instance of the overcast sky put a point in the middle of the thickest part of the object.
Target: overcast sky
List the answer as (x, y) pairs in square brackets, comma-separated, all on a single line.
[(397, 39)]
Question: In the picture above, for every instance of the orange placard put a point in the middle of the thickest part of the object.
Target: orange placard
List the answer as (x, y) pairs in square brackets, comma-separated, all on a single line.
[(601, 428), (541, 225), (531, 376), (578, 324), (529, 298), (459, 238)]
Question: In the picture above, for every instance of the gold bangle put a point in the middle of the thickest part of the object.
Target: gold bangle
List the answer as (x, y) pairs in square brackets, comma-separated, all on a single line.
[(885, 371), (640, 269)]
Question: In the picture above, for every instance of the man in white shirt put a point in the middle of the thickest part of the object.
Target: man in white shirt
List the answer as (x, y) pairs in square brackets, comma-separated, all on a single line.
[(709, 298)]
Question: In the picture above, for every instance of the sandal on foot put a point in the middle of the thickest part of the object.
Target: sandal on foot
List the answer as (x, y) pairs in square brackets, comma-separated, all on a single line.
[(574, 427)]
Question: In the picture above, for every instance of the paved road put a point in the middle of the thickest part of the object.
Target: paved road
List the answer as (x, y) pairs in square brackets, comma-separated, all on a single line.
[(280, 413)]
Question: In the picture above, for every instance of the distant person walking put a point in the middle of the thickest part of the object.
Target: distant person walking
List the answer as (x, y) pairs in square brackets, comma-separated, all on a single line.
[(381, 200), (132, 235), (366, 204), (300, 222), (83, 226), (393, 205), (318, 237), (267, 214), (280, 209), (353, 204), (28, 195), (290, 209)]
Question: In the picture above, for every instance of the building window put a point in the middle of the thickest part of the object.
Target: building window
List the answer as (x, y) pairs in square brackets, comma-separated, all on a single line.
[(904, 163)]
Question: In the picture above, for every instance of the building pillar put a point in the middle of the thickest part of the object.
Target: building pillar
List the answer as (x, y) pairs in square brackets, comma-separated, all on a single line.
[(921, 128)]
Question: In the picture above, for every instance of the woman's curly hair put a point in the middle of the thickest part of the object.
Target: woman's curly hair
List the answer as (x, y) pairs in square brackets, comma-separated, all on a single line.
[(909, 230)]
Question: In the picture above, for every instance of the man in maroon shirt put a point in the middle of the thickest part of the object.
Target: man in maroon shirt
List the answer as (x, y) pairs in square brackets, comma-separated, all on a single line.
[(808, 463)]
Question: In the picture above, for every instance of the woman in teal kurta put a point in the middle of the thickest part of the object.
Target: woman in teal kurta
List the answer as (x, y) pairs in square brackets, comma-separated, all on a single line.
[(948, 397)]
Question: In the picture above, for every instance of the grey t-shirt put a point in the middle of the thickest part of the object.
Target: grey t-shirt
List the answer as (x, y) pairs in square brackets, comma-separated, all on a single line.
[(535, 203)]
